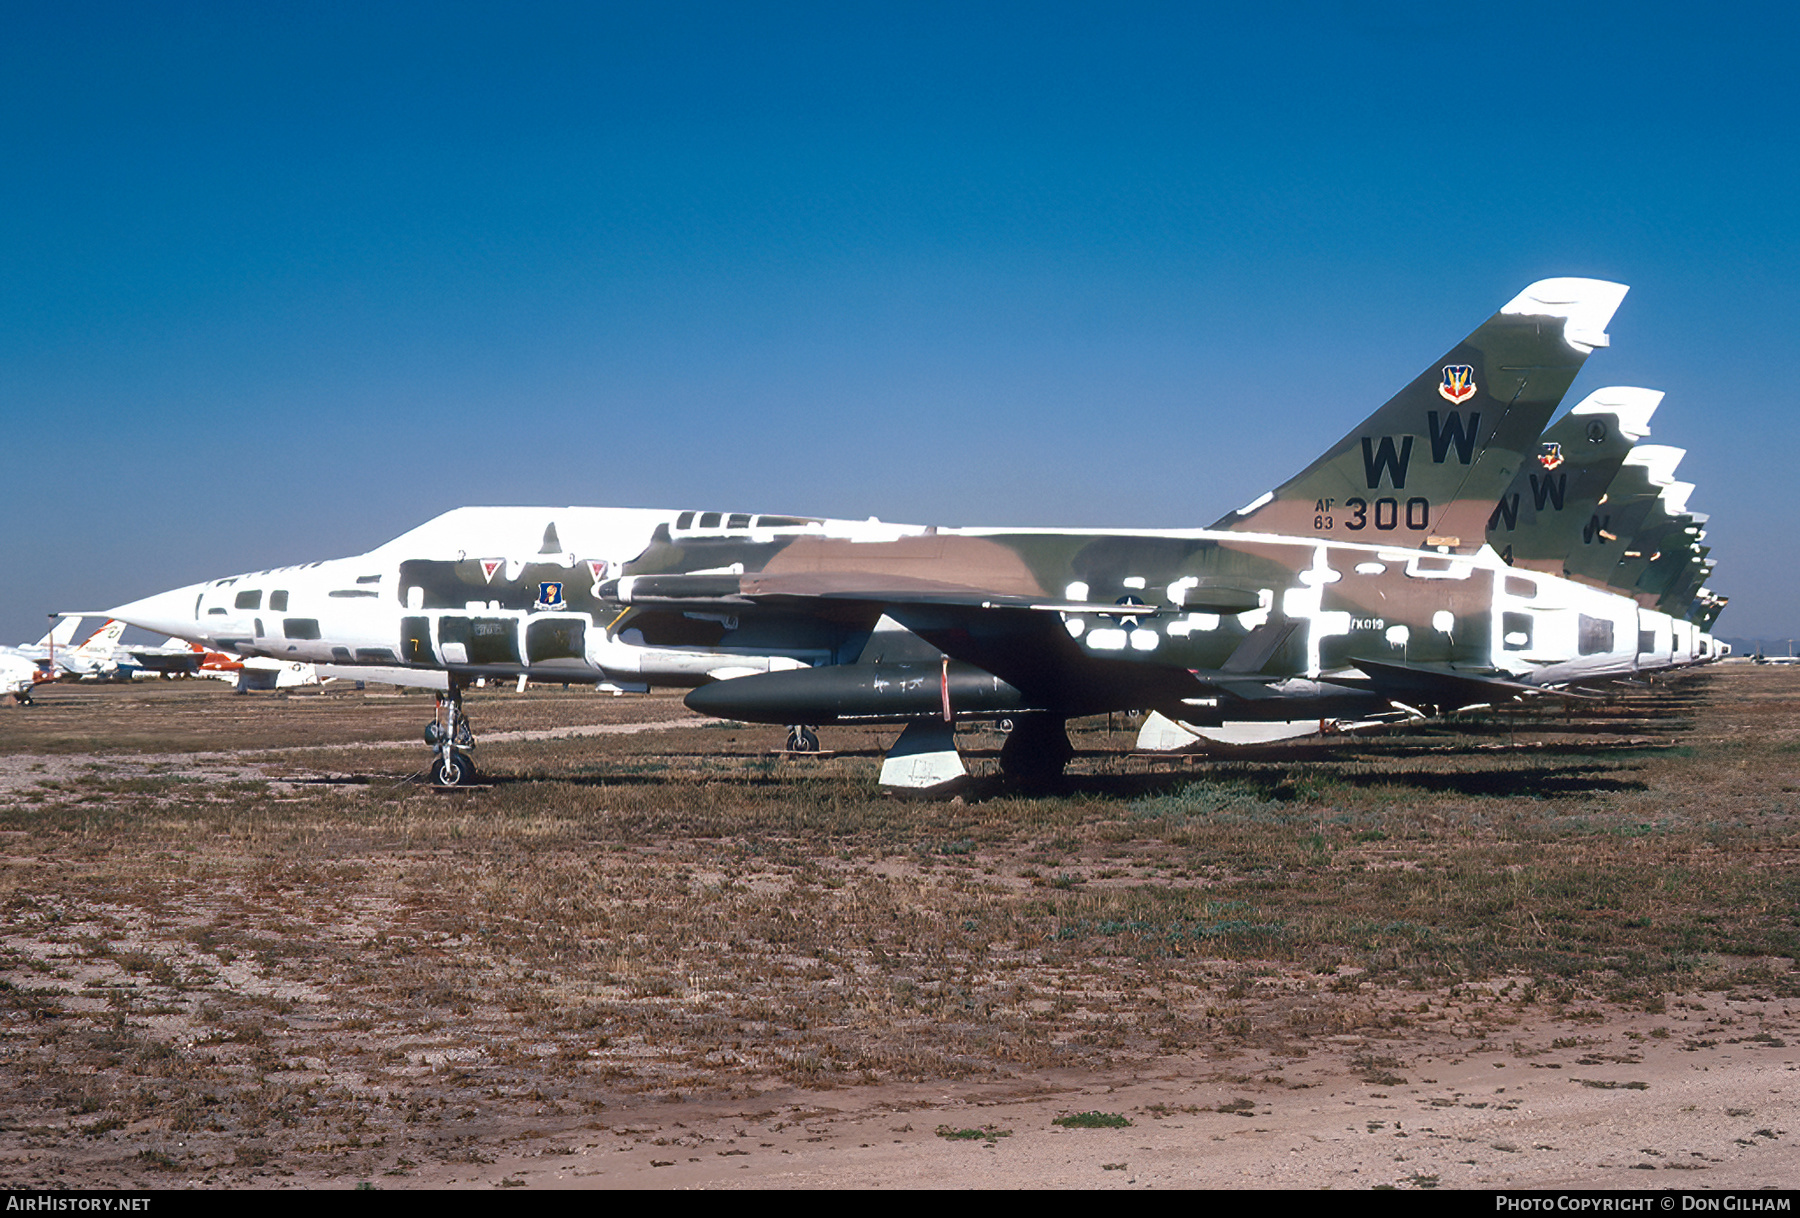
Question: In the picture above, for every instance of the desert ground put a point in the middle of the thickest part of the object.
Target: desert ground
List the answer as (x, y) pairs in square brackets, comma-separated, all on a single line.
[(244, 946)]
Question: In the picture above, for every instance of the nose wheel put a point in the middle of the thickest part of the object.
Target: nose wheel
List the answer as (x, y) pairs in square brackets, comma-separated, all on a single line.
[(802, 739), (453, 771), (451, 738)]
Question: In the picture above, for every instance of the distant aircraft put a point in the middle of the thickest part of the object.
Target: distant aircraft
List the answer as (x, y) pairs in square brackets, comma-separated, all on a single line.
[(1362, 586), (98, 657), (174, 658), (18, 673), (256, 672), (57, 639)]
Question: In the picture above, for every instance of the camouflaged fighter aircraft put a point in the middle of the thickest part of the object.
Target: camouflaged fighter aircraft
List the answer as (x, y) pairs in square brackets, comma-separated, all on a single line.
[(1362, 581), (1536, 522)]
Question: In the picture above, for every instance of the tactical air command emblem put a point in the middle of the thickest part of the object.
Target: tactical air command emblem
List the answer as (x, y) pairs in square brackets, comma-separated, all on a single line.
[(489, 566), (1458, 385), (1552, 456), (550, 596)]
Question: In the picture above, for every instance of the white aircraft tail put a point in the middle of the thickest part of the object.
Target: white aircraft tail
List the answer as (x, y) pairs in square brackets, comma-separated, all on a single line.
[(100, 644), (60, 634)]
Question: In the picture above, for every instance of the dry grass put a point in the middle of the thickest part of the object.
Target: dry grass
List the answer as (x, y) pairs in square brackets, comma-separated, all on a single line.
[(219, 967)]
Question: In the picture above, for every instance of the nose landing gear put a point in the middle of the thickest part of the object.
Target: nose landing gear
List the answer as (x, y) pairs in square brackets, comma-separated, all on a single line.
[(451, 738)]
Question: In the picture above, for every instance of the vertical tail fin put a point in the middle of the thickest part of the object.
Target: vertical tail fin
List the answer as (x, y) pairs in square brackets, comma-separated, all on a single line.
[(61, 633), (1427, 468), (1539, 518), (1634, 494), (103, 640)]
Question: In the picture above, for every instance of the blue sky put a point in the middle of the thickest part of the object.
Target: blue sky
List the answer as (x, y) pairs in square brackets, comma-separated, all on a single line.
[(278, 282)]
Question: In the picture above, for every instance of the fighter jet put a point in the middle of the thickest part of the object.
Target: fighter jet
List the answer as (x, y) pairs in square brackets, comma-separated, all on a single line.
[(1363, 582)]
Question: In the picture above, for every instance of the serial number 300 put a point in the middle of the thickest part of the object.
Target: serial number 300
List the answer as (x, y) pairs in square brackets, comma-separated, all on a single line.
[(1386, 515)]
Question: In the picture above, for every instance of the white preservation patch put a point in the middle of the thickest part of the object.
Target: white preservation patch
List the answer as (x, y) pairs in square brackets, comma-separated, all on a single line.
[(1255, 503), (1144, 639), (1659, 462), (1633, 407), (1179, 589), (1397, 636), (1107, 638), (1074, 626), (1415, 568), (1183, 627), (1250, 731), (1307, 604), (1371, 568), (1134, 581), (1443, 621), (1250, 620), (1585, 305), (1076, 591)]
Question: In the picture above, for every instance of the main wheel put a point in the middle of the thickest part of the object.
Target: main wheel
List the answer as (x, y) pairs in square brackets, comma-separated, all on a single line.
[(1036, 750), (802, 739)]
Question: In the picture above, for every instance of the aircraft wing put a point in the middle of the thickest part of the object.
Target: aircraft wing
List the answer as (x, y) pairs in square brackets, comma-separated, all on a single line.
[(1020, 639), (808, 589), (182, 659)]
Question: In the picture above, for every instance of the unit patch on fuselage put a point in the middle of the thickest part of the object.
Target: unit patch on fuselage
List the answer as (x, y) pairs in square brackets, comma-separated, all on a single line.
[(1458, 385), (550, 596)]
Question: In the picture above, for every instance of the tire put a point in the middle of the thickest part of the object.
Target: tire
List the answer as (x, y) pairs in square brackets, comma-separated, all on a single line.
[(802, 740), (458, 771)]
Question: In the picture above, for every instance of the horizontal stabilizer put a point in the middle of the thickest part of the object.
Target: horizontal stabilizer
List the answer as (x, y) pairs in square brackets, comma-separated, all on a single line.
[(1438, 684)]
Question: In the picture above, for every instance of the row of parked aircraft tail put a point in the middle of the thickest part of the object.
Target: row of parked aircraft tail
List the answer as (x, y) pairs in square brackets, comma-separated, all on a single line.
[(103, 657), (1449, 551)]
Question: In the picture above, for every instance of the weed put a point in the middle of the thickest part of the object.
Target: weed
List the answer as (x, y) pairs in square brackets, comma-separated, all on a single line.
[(1092, 1120)]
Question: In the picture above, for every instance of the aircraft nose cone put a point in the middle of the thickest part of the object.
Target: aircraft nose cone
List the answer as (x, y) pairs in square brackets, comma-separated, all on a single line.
[(170, 612)]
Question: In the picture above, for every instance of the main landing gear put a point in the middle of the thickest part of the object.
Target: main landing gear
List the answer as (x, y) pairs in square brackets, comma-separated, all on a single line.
[(451, 738), (1036, 750), (802, 739)]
